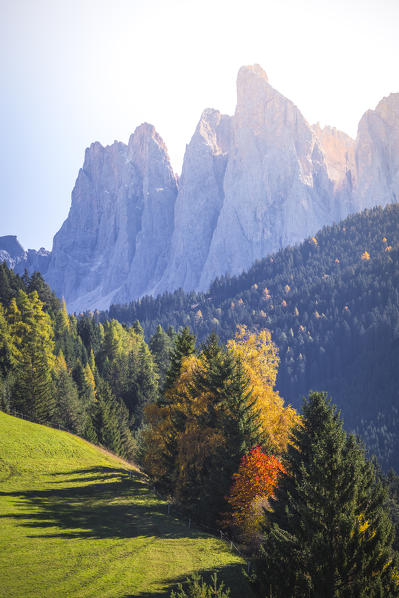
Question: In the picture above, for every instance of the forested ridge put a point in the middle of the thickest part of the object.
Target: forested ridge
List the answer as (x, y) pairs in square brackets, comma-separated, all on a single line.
[(332, 306)]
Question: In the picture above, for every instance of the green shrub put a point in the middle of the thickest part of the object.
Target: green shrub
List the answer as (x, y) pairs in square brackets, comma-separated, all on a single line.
[(196, 587)]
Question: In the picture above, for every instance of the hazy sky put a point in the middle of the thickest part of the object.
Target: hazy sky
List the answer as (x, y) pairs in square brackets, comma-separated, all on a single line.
[(76, 71)]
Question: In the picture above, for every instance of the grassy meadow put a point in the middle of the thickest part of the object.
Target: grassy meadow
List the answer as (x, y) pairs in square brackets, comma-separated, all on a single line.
[(76, 521)]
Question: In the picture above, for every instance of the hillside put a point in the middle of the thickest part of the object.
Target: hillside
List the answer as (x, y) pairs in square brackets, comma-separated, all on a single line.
[(74, 523), (332, 304)]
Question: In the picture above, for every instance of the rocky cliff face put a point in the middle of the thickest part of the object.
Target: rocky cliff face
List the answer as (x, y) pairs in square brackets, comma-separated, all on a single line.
[(199, 201), (377, 155), (276, 188), (251, 183), (339, 154), (117, 234), (259, 177)]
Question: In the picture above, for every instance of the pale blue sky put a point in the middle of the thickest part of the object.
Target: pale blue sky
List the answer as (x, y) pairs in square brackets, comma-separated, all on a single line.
[(76, 71)]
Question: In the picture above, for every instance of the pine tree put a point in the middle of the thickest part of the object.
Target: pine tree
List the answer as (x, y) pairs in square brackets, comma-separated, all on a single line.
[(36, 284), (161, 347), (145, 381), (127, 364), (111, 422), (66, 335), (138, 329), (106, 420), (184, 347), (328, 533), (87, 400), (68, 410), (232, 413), (214, 425), (33, 334), (10, 284), (7, 345), (6, 291)]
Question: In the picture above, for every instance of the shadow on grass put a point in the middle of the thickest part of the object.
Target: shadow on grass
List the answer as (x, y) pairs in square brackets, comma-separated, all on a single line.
[(104, 509), (232, 576), (92, 474), (108, 503)]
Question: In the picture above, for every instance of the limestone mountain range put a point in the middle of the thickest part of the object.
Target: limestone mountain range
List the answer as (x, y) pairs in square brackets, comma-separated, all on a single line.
[(251, 184)]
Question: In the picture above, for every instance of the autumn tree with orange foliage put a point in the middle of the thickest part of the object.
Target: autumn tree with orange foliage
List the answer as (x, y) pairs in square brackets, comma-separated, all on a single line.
[(253, 484)]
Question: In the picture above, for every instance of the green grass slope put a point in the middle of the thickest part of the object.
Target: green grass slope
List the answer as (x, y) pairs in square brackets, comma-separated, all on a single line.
[(74, 523)]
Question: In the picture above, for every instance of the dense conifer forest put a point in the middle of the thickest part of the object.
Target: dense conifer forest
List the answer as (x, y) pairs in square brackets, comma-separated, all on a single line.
[(89, 378), (332, 306)]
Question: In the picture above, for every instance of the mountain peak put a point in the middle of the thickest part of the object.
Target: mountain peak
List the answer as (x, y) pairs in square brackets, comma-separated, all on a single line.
[(252, 82), (145, 130), (145, 137), (253, 93), (252, 70), (388, 107)]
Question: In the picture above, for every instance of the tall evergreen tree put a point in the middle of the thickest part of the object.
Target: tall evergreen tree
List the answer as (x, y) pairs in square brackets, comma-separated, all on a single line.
[(138, 329), (127, 364), (161, 347), (65, 336), (106, 421), (89, 332), (232, 413), (7, 345), (32, 329), (45, 294), (111, 422), (69, 412), (184, 347), (328, 533), (145, 380), (10, 284), (87, 400)]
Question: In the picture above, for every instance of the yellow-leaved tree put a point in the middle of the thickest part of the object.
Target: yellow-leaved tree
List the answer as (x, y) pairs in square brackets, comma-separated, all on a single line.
[(166, 425), (179, 439), (259, 356)]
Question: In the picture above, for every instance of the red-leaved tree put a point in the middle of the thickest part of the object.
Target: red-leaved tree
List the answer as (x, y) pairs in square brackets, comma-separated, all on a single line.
[(253, 484)]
